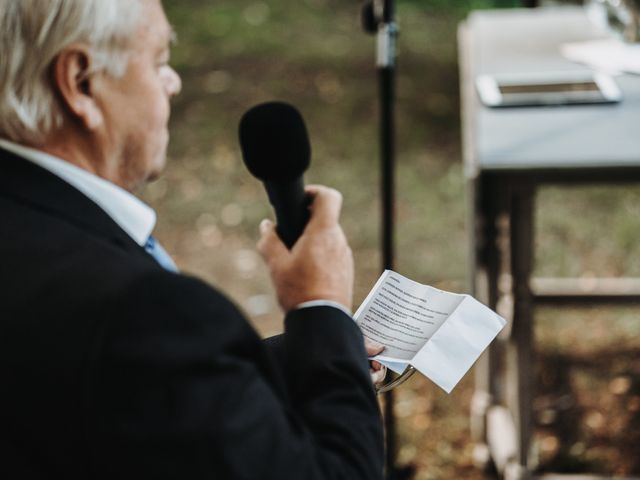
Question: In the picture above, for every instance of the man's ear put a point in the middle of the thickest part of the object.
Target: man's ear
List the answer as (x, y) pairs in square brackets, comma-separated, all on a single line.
[(73, 80)]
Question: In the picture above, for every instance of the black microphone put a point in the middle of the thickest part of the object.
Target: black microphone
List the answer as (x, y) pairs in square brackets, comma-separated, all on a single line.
[(275, 147)]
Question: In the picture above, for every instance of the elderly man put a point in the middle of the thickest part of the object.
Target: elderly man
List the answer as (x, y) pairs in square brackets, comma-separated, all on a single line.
[(113, 365)]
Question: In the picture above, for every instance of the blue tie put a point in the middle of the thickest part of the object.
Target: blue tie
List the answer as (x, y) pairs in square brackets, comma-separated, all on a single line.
[(161, 256)]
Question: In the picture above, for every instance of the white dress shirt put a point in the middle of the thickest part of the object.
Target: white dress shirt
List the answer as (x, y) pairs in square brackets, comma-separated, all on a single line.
[(135, 217)]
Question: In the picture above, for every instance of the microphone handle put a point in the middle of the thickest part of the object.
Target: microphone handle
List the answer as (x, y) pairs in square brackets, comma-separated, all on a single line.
[(291, 205)]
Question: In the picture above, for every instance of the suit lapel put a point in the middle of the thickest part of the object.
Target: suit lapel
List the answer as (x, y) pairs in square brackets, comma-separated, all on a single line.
[(30, 184)]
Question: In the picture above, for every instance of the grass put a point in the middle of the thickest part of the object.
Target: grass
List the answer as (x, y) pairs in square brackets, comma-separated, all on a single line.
[(233, 54)]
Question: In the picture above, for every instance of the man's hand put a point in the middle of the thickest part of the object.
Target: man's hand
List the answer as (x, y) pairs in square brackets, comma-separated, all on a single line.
[(320, 264), (376, 370)]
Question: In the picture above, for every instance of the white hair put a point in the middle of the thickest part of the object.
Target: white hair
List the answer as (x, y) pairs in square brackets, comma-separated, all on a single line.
[(32, 34)]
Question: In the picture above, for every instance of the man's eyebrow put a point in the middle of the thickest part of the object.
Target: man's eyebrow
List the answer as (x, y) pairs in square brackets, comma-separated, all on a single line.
[(173, 36)]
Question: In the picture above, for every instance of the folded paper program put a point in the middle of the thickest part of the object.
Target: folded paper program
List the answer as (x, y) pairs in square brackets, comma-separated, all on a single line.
[(439, 333)]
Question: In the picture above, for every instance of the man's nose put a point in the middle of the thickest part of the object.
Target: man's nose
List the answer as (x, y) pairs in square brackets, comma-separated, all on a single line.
[(173, 82)]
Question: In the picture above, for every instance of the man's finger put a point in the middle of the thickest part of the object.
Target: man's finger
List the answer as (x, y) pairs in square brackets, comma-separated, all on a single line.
[(372, 347), (270, 244), (325, 206), (376, 365), (377, 376)]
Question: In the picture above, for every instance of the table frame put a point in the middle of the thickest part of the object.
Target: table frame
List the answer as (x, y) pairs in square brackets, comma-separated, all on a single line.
[(501, 209), (502, 257)]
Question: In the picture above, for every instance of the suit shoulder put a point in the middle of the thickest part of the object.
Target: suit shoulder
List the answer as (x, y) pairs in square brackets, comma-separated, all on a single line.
[(164, 294), (163, 318)]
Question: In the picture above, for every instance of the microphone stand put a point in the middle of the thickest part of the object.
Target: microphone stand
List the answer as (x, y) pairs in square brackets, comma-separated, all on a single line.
[(378, 17)]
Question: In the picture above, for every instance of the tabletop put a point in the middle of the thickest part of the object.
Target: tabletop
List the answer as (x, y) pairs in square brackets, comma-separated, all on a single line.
[(537, 138)]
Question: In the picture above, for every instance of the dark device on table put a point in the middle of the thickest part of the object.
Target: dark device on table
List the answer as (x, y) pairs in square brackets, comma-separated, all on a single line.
[(547, 89)]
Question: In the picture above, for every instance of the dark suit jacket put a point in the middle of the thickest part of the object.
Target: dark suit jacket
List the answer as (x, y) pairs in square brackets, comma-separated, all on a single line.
[(111, 367)]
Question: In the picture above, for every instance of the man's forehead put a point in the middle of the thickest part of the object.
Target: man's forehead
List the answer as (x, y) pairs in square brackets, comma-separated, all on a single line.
[(155, 23)]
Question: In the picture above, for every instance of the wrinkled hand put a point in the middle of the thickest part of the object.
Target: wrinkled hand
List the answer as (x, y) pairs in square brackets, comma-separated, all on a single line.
[(376, 370), (320, 264)]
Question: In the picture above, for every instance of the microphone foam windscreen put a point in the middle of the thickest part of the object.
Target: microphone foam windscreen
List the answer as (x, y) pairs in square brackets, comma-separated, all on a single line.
[(274, 141)]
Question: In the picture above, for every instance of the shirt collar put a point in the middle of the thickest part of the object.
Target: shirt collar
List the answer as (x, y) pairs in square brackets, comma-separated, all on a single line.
[(135, 217)]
